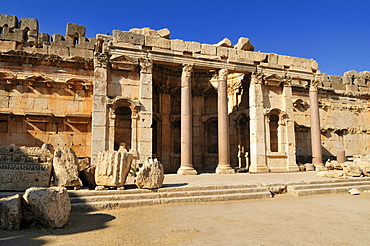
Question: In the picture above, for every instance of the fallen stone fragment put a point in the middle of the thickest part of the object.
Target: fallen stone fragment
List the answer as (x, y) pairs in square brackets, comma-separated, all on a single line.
[(150, 174), (88, 176), (50, 206), (335, 174), (113, 167), (351, 169), (65, 164), (11, 212), (354, 191)]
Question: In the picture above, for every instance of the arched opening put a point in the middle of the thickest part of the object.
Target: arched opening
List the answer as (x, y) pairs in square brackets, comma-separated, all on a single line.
[(274, 124), (25, 34), (176, 137), (212, 136), (122, 128), (75, 39)]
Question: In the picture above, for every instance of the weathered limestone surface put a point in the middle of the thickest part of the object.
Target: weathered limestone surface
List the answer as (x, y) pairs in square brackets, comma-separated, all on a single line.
[(351, 169), (50, 206), (66, 169), (11, 212), (331, 174), (24, 167), (113, 167), (150, 174), (87, 176)]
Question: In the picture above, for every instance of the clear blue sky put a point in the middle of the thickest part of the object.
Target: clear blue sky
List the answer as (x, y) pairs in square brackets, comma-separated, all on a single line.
[(335, 33)]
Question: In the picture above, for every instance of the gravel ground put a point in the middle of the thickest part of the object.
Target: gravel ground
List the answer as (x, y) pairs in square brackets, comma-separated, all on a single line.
[(283, 220)]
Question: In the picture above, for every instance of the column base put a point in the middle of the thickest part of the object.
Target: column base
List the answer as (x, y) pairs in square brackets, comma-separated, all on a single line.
[(259, 169), (320, 167), (187, 171), (225, 170)]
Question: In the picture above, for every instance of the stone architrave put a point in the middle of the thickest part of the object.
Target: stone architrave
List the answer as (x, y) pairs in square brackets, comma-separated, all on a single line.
[(223, 166), (11, 212), (65, 164), (150, 174), (113, 167), (50, 206), (24, 167)]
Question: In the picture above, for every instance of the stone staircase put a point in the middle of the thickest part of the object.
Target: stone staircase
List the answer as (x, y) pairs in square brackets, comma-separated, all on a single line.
[(336, 186), (89, 200)]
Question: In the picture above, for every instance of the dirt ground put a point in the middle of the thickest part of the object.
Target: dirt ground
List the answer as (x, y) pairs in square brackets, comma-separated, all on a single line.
[(283, 220)]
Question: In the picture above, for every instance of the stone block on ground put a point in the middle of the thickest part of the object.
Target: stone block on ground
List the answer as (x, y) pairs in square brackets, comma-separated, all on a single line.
[(150, 174), (24, 167), (351, 169), (364, 165), (335, 174), (66, 169), (11, 212), (88, 176), (50, 206), (113, 167)]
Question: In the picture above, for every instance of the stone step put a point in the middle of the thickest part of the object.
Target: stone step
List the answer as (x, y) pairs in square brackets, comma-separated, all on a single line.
[(161, 195), (165, 188), (101, 205), (340, 187)]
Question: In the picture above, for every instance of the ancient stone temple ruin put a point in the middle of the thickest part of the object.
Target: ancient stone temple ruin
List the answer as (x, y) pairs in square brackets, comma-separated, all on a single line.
[(195, 107)]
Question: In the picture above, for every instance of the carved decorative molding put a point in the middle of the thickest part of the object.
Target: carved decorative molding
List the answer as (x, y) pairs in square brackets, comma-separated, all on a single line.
[(101, 60), (222, 74), (124, 62), (146, 65), (187, 69), (315, 82), (257, 78)]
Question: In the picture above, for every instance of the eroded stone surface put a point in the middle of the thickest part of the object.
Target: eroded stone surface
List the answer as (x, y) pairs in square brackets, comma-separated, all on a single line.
[(150, 174), (50, 206), (11, 212), (66, 169), (113, 167), (24, 167)]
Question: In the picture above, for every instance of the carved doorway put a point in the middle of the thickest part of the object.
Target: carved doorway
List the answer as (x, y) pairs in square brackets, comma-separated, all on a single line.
[(122, 128)]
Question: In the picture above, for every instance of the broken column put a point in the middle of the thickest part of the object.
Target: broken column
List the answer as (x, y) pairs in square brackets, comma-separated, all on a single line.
[(113, 167), (186, 167), (223, 166), (341, 156), (315, 125), (65, 164)]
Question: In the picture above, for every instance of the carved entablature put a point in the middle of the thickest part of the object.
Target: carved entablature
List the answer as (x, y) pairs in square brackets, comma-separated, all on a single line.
[(101, 60), (273, 80), (79, 83), (146, 65), (124, 62), (187, 69), (39, 79)]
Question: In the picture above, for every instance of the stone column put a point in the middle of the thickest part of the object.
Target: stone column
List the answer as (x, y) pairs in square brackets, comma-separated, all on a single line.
[(186, 161), (289, 142), (146, 111), (315, 126), (257, 126), (223, 166), (100, 121)]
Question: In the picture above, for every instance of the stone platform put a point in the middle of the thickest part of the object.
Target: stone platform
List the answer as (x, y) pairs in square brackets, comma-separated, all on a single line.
[(214, 188)]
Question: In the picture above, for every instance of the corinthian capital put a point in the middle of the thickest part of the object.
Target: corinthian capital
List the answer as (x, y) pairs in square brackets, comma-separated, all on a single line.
[(186, 70), (222, 74), (101, 60), (315, 81), (146, 65), (257, 78)]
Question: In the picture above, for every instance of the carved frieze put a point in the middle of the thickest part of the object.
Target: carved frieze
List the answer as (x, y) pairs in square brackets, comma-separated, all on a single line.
[(124, 62)]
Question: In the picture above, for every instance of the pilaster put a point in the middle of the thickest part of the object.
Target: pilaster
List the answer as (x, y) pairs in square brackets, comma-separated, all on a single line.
[(99, 140), (257, 126)]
